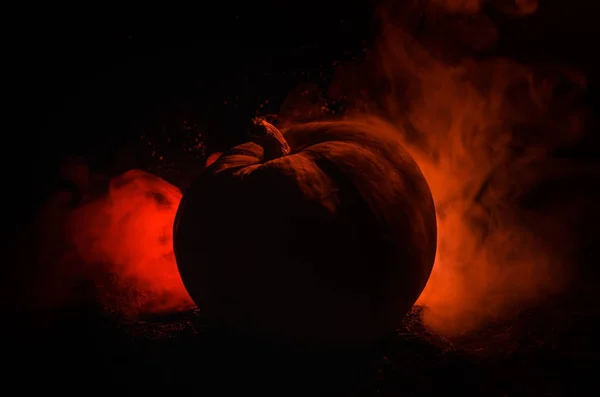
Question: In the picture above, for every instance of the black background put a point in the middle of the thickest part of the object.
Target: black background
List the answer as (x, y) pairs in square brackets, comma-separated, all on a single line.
[(92, 80)]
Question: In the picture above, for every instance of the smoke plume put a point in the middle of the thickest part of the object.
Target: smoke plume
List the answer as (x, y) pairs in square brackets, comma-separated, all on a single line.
[(482, 130)]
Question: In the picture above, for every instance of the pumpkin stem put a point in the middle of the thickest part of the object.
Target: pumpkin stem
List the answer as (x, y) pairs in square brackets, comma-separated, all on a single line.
[(270, 138)]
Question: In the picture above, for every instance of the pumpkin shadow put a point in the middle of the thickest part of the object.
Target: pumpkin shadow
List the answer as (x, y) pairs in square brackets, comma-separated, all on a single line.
[(233, 362)]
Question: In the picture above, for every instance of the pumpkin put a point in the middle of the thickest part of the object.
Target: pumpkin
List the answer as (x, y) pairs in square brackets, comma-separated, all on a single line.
[(325, 234)]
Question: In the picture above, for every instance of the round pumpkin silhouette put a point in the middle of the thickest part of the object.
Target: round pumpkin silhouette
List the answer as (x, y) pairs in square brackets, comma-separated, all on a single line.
[(323, 234)]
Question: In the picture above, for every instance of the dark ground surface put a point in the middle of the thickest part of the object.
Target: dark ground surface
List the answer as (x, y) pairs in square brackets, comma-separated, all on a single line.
[(542, 353), (90, 87)]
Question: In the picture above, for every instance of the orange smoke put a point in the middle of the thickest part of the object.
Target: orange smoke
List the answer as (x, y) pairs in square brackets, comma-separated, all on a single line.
[(482, 133), (127, 236)]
